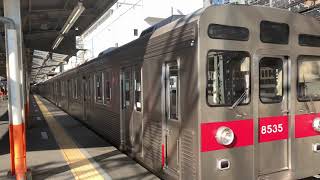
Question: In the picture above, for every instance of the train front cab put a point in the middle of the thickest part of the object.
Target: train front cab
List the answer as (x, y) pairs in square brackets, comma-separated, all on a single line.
[(259, 106)]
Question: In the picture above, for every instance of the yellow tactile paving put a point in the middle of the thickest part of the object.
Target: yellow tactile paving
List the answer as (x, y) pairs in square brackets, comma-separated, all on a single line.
[(80, 166)]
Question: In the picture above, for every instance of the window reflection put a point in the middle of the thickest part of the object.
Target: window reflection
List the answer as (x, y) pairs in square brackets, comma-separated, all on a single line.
[(271, 79), (228, 77), (137, 88), (127, 88), (108, 77), (173, 90), (308, 78), (98, 87)]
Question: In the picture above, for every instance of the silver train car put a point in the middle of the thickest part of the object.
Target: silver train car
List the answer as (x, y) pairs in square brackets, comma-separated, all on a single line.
[(226, 93)]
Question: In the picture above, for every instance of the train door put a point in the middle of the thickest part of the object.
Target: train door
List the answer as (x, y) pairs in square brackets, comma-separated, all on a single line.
[(172, 117), (85, 97), (126, 106), (137, 127), (273, 113)]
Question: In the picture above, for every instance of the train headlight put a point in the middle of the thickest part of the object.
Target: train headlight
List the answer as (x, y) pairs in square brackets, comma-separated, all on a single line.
[(316, 124), (225, 136)]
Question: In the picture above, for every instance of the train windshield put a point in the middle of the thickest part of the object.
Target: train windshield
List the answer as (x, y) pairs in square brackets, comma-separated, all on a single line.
[(308, 78), (228, 78)]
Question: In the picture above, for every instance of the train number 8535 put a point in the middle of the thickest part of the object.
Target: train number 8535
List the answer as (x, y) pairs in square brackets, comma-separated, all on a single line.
[(272, 128)]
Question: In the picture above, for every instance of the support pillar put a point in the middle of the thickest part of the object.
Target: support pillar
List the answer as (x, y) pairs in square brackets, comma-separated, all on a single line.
[(12, 10), (16, 127), (16, 87)]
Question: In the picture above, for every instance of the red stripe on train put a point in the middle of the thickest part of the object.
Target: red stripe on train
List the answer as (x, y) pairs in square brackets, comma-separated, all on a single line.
[(271, 128), (243, 131), (303, 125), (162, 155)]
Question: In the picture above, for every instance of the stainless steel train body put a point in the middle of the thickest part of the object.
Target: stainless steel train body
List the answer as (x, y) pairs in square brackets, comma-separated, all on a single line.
[(229, 92)]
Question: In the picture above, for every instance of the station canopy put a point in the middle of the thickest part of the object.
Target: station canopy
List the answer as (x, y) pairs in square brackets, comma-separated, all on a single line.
[(44, 22), (44, 64)]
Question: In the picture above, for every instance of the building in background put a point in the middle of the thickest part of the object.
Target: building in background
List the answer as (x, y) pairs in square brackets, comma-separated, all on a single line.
[(124, 22)]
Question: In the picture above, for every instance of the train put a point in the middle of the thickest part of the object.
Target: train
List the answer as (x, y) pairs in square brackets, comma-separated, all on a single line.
[(229, 92)]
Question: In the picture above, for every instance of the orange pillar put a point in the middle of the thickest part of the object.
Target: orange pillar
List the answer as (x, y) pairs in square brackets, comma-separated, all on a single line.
[(15, 107), (15, 93), (18, 153), (12, 165)]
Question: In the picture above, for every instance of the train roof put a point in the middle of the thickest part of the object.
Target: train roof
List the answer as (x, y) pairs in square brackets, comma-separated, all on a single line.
[(175, 22), (179, 21), (160, 24)]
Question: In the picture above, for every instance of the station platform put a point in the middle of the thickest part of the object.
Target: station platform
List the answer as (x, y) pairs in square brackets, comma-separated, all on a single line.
[(60, 147)]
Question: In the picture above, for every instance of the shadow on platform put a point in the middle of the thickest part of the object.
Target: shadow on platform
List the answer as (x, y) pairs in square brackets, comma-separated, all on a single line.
[(112, 161)]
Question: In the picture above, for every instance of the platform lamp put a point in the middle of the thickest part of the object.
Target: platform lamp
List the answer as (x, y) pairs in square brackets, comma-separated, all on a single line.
[(74, 16)]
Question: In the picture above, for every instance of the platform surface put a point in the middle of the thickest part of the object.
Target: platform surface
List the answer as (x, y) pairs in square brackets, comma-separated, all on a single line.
[(60, 147), (47, 151)]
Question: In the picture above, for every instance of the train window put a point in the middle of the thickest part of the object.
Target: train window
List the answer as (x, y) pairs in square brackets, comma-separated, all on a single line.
[(271, 80), (75, 88), (55, 88), (173, 90), (70, 89), (59, 88), (273, 32), (308, 78), (228, 78), (98, 87), (79, 87), (62, 88), (137, 88), (218, 31), (73, 84), (65, 88), (309, 40), (108, 78), (89, 88), (126, 87)]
